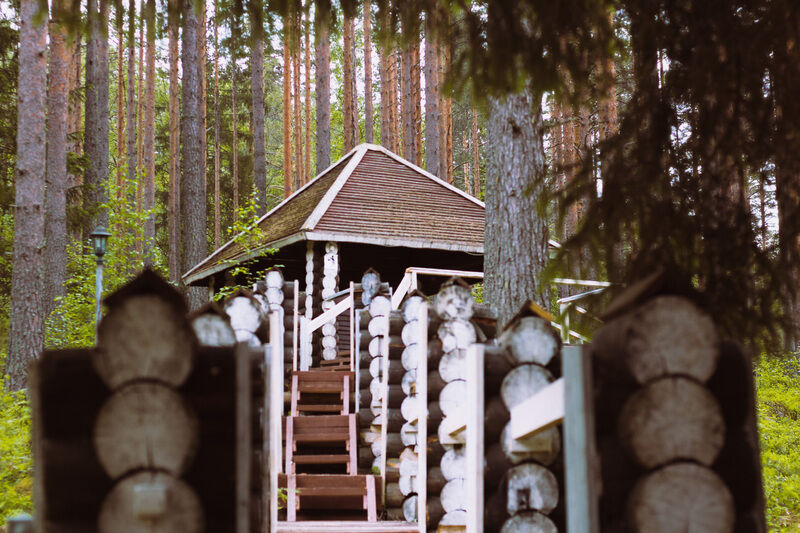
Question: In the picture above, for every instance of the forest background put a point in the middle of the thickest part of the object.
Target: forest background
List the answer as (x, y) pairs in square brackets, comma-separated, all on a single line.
[(380, 90)]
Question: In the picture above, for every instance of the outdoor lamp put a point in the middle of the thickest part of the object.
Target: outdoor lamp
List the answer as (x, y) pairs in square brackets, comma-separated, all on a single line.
[(100, 241)]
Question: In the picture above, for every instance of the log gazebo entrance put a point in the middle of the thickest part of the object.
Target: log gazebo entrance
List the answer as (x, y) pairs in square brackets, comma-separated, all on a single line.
[(370, 210)]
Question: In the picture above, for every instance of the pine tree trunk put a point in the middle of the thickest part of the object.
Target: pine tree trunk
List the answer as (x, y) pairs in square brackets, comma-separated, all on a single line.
[(407, 104), (202, 53), (217, 233), (257, 87), (298, 120), (174, 140), (193, 201), (149, 134), (516, 243), (96, 126), (26, 333), (307, 126), (235, 113), (432, 112), (322, 80), (416, 96), (476, 170), (74, 198), (56, 173), (369, 133), (787, 166), (132, 104), (347, 59), (140, 121), (287, 109), (396, 70), (446, 122), (120, 20), (387, 130)]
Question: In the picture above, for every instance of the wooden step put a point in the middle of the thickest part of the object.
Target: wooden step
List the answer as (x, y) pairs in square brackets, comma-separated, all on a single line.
[(321, 375), (321, 459), (319, 408), (311, 492)]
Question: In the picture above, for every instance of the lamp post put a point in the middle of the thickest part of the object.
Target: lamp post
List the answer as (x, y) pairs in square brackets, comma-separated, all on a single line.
[(99, 243)]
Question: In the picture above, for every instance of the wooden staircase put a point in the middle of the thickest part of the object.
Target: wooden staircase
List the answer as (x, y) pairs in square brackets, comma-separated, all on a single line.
[(322, 480)]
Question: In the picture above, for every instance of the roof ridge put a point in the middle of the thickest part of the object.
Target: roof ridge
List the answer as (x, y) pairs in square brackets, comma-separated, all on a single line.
[(333, 190)]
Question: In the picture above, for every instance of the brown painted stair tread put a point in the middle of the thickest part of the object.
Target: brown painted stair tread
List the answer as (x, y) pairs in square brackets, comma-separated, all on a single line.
[(319, 408), (322, 375), (321, 459)]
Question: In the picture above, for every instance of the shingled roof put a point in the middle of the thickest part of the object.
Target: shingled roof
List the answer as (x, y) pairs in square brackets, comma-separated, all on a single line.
[(370, 196)]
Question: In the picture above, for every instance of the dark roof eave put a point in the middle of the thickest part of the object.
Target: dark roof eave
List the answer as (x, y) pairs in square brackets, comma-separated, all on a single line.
[(394, 241), (193, 277)]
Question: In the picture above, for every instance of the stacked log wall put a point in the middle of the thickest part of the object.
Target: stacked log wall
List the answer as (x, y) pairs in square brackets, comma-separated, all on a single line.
[(675, 423), (524, 479)]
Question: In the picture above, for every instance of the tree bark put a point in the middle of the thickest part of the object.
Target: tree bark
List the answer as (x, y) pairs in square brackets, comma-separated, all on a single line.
[(56, 173), (432, 113), (149, 141), (174, 209), (446, 122), (516, 239), (193, 201), (26, 333), (74, 130), (322, 80), (369, 133), (387, 131), (257, 87), (787, 167), (348, 77), (297, 129), (307, 127), (235, 120), (119, 12), (96, 125), (416, 96), (140, 120), (407, 105), (476, 170), (287, 108), (217, 233)]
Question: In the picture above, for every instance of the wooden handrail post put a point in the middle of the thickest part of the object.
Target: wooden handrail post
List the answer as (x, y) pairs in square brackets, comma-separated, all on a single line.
[(275, 406), (295, 324), (475, 444), (422, 421), (353, 325), (384, 403)]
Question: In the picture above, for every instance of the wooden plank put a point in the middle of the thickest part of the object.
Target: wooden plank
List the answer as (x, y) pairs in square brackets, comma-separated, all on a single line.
[(539, 412), (402, 289), (384, 404), (422, 421), (582, 487), (295, 323), (275, 405), (244, 438), (330, 314), (353, 327), (475, 438), (444, 272)]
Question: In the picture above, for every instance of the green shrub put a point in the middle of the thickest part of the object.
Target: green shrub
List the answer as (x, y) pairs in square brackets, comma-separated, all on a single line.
[(778, 383), (16, 464)]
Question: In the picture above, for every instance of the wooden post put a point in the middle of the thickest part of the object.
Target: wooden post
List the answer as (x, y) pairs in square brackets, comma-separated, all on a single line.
[(243, 438), (353, 327), (475, 444), (295, 324), (384, 404), (580, 454), (275, 366), (422, 421)]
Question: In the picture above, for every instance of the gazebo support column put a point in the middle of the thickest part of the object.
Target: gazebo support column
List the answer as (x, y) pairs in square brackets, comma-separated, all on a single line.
[(330, 285)]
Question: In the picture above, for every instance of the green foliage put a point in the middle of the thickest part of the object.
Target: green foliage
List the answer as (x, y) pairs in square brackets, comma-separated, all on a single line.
[(778, 383), (72, 323), (16, 464), (249, 235)]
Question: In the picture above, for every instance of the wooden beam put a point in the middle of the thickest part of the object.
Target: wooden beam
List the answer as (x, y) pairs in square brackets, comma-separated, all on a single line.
[(330, 314), (539, 412), (582, 487), (275, 376), (422, 420), (402, 289), (444, 272), (295, 324), (475, 438)]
